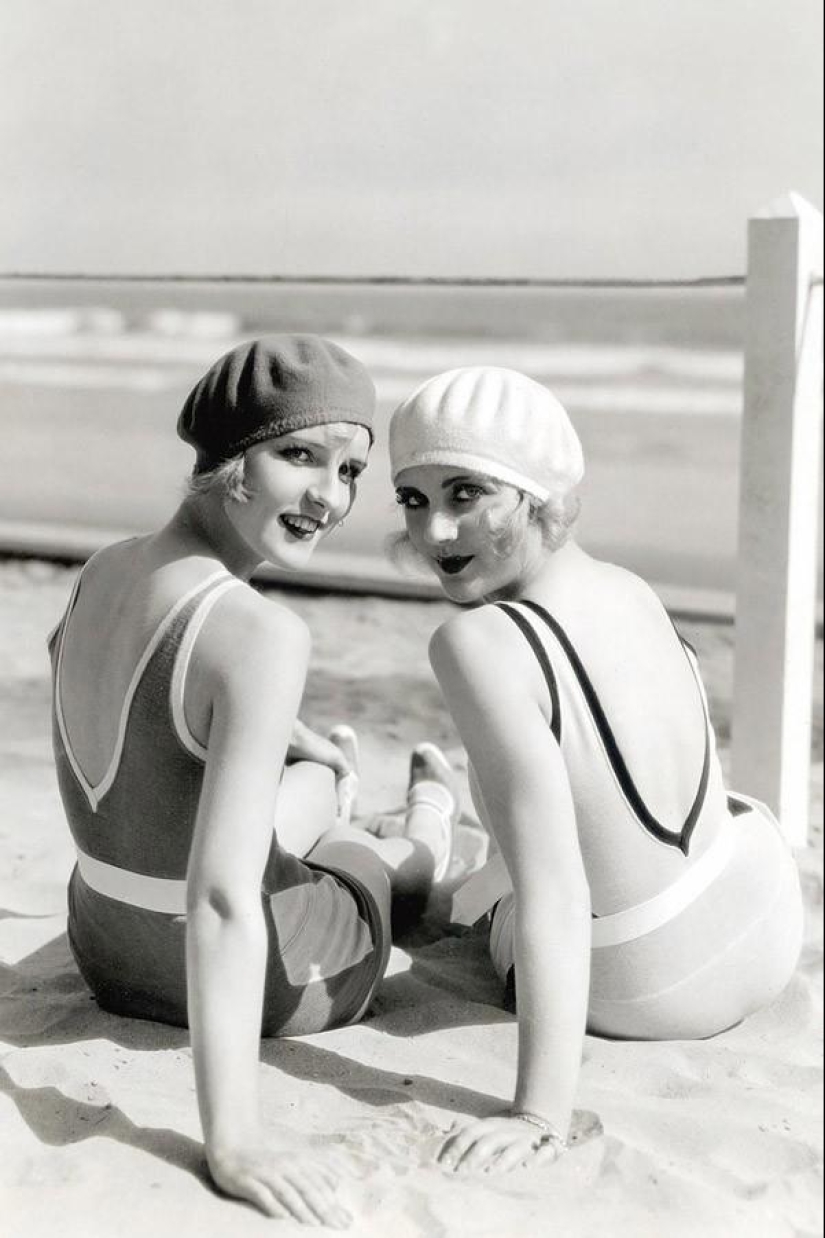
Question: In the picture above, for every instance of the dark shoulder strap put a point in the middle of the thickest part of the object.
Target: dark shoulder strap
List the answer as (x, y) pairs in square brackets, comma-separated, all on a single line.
[(543, 661), (676, 838)]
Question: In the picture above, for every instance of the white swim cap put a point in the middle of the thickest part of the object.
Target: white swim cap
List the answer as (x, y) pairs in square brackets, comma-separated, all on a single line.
[(492, 421)]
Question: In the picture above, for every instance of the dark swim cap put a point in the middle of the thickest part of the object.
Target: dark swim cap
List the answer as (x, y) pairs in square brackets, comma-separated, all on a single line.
[(272, 386)]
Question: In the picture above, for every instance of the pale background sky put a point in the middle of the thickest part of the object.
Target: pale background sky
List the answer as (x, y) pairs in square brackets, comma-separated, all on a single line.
[(442, 137)]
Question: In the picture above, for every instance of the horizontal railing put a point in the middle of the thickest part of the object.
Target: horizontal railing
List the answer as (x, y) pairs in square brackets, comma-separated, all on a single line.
[(378, 281)]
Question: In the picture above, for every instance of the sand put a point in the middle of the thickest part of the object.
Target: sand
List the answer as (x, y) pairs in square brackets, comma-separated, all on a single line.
[(99, 1133)]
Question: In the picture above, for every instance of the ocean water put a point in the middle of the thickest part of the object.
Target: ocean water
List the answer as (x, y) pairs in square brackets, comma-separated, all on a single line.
[(681, 317), (92, 377)]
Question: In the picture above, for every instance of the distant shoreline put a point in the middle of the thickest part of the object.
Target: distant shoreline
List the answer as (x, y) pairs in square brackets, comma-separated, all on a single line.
[(692, 317)]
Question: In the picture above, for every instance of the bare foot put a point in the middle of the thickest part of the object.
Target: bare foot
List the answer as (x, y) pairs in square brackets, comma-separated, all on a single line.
[(386, 824), (345, 738)]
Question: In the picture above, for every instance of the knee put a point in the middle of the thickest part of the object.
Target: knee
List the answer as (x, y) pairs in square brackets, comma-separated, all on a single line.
[(310, 780), (344, 848)]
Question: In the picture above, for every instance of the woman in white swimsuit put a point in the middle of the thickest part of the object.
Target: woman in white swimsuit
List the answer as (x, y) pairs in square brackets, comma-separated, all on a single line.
[(631, 894), (178, 750)]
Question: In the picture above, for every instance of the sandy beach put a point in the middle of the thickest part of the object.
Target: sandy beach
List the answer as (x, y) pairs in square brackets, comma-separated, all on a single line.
[(621, 202), (99, 1133)]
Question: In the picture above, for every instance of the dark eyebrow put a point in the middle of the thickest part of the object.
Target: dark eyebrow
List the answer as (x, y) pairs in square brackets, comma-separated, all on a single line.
[(451, 481)]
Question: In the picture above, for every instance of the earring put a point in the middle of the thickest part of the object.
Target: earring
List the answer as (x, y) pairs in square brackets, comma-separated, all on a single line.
[(340, 524)]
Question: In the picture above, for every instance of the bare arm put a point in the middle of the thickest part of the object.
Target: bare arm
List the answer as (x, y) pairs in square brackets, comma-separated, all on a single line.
[(256, 687), (494, 696)]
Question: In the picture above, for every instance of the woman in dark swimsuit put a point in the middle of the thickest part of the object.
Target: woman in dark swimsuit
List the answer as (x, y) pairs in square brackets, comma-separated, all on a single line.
[(178, 748)]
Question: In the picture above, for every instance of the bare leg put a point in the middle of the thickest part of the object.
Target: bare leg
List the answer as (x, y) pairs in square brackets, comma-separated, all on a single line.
[(306, 806), (305, 824), (406, 865), (343, 847), (433, 803), (408, 861), (309, 801)]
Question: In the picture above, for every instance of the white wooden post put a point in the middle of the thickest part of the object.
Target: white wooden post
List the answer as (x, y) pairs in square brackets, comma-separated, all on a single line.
[(778, 512)]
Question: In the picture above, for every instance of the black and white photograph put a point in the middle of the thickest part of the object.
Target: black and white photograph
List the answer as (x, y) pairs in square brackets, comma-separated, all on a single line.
[(411, 576)]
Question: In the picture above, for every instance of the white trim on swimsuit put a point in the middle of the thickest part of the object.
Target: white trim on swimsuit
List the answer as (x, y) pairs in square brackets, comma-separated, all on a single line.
[(136, 889), (492, 883), (178, 683), (95, 792)]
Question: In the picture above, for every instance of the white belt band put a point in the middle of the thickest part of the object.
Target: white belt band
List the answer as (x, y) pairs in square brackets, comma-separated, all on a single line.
[(637, 921), (491, 883), (148, 893)]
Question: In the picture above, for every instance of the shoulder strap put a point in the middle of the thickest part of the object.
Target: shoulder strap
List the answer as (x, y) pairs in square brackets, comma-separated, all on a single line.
[(177, 684), (676, 838), (543, 661)]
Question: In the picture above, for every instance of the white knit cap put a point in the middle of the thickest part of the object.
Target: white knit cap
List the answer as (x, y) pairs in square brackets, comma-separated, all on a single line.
[(492, 421)]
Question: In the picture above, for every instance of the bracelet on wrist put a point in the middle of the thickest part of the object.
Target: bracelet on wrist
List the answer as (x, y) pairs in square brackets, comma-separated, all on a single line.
[(549, 1133)]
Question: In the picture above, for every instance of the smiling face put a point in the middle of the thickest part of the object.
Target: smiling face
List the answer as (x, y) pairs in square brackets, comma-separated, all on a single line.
[(300, 485), (452, 519)]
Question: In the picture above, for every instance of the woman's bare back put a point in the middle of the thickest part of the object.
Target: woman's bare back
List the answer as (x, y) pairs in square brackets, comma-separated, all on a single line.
[(641, 674), (126, 593)]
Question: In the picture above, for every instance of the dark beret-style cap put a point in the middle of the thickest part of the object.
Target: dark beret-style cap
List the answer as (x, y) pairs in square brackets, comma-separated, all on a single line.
[(269, 387)]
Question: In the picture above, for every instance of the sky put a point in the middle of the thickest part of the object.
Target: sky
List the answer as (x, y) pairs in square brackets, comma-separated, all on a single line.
[(544, 138)]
